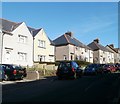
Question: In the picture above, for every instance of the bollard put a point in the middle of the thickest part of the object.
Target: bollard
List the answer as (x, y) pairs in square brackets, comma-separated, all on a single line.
[(38, 76), (44, 70)]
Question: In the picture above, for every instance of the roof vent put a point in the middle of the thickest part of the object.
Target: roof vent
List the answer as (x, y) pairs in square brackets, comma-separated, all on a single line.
[(12, 28)]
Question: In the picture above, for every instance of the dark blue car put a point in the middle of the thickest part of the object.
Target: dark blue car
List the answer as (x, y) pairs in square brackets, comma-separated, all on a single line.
[(68, 69), (12, 72), (93, 69)]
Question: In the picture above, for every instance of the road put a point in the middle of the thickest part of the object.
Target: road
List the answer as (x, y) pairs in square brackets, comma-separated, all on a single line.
[(88, 89)]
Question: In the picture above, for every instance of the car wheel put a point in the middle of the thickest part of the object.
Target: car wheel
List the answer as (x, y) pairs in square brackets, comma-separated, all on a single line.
[(74, 76), (59, 78)]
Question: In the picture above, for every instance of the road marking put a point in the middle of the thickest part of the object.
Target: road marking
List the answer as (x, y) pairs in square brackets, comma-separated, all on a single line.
[(89, 86)]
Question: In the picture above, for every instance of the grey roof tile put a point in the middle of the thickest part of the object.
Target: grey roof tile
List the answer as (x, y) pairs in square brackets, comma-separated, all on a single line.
[(8, 26), (66, 39), (96, 46), (114, 49), (61, 41)]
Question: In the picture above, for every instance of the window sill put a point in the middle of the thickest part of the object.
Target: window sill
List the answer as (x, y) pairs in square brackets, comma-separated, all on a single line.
[(42, 47)]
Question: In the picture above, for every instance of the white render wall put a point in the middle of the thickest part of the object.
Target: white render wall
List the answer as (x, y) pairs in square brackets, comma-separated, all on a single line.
[(90, 56), (71, 50), (0, 46), (15, 46), (48, 50), (96, 56)]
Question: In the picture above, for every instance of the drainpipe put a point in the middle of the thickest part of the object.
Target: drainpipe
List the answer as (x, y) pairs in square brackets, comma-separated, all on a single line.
[(33, 50), (2, 48)]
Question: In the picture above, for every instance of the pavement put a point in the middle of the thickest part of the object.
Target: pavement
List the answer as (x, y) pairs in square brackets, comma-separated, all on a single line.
[(16, 81)]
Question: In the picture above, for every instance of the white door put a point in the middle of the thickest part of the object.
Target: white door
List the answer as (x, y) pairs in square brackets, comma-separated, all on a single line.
[(8, 57)]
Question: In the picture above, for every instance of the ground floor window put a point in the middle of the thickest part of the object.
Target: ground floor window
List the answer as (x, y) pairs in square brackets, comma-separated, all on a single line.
[(65, 57), (22, 56), (41, 58)]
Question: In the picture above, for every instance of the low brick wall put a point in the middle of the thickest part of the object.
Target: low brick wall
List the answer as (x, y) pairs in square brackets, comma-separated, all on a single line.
[(45, 66), (34, 75), (31, 75)]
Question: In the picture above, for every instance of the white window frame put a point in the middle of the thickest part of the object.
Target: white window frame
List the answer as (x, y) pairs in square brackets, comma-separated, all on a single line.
[(41, 44), (65, 57), (22, 39), (41, 58), (22, 56)]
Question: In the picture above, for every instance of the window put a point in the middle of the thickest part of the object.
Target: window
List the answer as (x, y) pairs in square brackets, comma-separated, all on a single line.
[(77, 57), (86, 59), (41, 58), (103, 59), (22, 56), (41, 43), (86, 50), (65, 57), (22, 39)]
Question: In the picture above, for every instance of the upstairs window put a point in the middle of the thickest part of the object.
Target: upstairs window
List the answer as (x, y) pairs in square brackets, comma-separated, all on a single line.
[(41, 43), (86, 50), (22, 39), (41, 58)]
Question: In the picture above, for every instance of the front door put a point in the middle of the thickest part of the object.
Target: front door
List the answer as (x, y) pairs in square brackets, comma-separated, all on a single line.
[(8, 56)]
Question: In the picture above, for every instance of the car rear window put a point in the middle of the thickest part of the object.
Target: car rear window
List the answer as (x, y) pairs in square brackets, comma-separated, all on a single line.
[(62, 65)]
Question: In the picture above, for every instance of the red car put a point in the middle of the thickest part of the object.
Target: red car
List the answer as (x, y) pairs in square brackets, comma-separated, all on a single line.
[(109, 68)]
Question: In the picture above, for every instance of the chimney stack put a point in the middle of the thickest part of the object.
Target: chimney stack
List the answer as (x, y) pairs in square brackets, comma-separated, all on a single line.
[(96, 40), (69, 33), (112, 45)]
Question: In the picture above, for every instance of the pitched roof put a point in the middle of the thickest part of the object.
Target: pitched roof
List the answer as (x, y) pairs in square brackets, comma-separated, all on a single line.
[(117, 49), (81, 44), (114, 49), (52, 43), (62, 40), (8, 26), (34, 31), (67, 39), (96, 46)]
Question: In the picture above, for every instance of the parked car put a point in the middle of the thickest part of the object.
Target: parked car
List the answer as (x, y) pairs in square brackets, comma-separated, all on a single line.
[(117, 67), (2, 74), (68, 70), (108, 68), (93, 69), (12, 72)]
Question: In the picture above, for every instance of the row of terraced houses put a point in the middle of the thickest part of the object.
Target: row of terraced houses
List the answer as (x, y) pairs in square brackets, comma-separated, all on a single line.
[(24, 45)]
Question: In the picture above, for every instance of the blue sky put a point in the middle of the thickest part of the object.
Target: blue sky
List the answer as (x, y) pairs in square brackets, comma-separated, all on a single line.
[(87, 20)]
